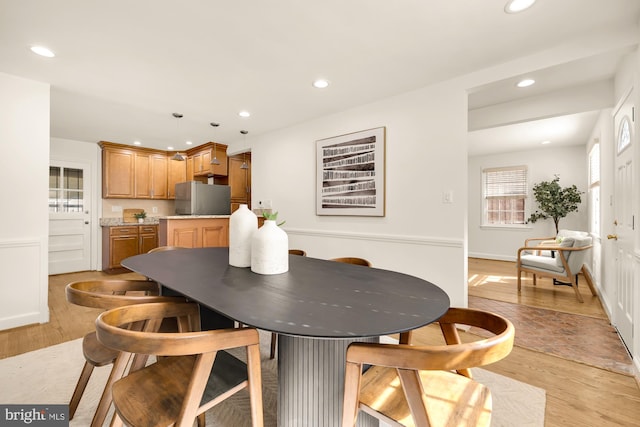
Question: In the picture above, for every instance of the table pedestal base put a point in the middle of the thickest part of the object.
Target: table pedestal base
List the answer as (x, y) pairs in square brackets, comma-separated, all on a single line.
[(311, 382)]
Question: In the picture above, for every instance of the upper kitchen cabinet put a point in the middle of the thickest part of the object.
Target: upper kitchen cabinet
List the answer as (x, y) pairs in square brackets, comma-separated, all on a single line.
[(118, 171), (177, 172), (151, 175), (202, 156), (138, 173)]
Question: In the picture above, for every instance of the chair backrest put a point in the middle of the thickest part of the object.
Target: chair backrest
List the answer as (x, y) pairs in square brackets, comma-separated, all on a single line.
[(164, 248), (297, 252), (455, 355), (352, 260), (182, 387), (108, 294), (575, 259)]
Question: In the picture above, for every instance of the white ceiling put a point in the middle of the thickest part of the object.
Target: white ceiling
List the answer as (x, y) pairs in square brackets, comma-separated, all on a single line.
[(123, 67)]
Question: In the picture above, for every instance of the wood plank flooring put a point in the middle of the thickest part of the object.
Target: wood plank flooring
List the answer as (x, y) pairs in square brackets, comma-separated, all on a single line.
[(578, 394)]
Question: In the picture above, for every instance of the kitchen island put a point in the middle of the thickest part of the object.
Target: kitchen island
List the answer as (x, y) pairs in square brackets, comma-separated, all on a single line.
[(194, 231)]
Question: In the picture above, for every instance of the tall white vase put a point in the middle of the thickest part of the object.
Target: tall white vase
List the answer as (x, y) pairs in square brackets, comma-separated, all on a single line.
[(270, 249), (242, 224)]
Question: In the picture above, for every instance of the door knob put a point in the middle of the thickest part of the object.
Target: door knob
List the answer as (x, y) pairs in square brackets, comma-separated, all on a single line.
[(612, 236)]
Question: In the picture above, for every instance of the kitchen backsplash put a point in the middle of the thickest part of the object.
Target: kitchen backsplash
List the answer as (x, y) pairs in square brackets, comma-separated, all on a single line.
[(112, 208)]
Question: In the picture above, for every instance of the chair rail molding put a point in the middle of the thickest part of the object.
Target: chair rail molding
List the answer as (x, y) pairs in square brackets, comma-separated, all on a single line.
[(388, 238)]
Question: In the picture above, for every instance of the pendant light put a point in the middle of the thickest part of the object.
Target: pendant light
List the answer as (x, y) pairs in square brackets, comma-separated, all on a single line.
[(215, 160), (244, 155), (178, 156)]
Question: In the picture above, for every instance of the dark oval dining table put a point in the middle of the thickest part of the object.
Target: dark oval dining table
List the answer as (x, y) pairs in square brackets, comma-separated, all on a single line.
[(318, 307)]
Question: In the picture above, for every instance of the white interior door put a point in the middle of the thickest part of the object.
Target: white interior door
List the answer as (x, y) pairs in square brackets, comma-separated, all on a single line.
[(624, 125), (69, 218)]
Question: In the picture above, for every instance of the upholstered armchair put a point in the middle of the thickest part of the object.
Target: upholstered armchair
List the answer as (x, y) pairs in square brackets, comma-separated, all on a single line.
[(568, 252)]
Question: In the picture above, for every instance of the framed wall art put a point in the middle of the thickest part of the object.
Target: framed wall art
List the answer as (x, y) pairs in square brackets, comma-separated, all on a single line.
[(350, 174)]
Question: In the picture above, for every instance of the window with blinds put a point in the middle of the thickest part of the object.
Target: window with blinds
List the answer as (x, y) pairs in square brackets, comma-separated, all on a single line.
[(504, 195)]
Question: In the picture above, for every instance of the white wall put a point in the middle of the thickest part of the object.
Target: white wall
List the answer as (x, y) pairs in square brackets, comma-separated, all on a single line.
[(542, 164), (419, 235), (24, 174)]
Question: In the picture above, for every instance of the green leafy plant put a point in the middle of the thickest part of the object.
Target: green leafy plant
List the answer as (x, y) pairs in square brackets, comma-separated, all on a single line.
[(140, 215), (554, 201), (272, 216)]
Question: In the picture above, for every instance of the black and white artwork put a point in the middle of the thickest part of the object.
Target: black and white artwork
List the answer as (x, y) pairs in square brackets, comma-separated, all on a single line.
[(350, 174)]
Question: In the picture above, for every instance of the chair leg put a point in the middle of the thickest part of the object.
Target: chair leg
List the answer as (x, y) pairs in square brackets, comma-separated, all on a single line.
[(255, 385), (274, 342), (87, 369), (117, 372), (589, 280), (350, 405), (574, 285), (519, 280), (202, 422)]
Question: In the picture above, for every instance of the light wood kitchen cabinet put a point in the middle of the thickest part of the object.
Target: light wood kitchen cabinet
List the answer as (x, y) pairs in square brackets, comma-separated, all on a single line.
[(194, 232), (118, 172), (151, 176), (159, 176), (240, 180), (176, 172), (201, 159), (147, 238), (123, 241)]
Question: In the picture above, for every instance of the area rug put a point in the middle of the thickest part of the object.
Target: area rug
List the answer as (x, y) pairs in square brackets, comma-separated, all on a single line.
[(49, 375)]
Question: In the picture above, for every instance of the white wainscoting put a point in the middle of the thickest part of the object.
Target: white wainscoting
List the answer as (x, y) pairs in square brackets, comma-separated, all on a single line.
[(24, 287), (441, 261)]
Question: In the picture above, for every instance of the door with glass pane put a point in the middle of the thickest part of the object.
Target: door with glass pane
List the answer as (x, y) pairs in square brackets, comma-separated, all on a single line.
[(69, 219)]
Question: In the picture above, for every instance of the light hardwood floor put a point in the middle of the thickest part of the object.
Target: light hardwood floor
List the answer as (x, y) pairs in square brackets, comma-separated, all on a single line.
[(577, 394)]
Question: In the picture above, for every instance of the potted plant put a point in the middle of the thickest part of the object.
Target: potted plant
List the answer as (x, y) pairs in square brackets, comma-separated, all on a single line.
[(140, 216), (554, 201)]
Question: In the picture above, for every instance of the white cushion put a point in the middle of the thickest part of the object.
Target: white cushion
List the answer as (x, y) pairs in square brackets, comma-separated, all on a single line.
[(542, 263)]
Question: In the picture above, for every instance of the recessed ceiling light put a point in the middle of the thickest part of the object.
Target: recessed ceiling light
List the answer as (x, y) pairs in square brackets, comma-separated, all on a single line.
[(244, 114), (137, 142), (42, 51), (545, 142), (169, 148), (515, 6), (321, 84), (525, 83), (189, 142)]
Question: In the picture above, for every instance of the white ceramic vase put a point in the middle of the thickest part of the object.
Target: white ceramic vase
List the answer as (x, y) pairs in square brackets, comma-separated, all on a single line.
[(242, 224), (270, 249)]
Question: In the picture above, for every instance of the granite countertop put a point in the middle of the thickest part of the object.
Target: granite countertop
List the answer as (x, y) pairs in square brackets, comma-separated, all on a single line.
[(194, 216), (113, 222), (154, 220)]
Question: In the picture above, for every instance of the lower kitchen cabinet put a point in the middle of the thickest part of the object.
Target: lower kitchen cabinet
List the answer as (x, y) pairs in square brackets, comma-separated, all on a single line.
[(194, 232), (120, 242)]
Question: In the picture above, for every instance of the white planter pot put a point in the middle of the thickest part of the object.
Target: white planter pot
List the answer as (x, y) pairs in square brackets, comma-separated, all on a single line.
[(270, 250), (242, 224)]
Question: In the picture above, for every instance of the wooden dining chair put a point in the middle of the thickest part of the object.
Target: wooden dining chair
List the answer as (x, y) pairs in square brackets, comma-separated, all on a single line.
[(416, 386), (105, 294), (352, 260), (164, 248), (192, 372)]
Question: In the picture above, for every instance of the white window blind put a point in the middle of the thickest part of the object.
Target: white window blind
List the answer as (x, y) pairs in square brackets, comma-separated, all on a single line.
[(504, 195)]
